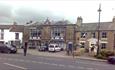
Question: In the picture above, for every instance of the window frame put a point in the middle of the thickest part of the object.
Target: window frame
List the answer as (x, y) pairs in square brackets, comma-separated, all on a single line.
[(103, 45), (82, 34), (104, 34), (82, 45)]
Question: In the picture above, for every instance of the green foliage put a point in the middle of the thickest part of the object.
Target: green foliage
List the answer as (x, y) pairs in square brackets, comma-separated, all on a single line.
[(100, 57), (104, 54)]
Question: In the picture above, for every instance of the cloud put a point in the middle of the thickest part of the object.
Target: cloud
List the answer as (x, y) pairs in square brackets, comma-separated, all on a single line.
[(26, 14), (5, 13)]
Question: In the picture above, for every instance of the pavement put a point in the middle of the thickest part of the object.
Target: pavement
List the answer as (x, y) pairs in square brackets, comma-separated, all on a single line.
[(61, 54)]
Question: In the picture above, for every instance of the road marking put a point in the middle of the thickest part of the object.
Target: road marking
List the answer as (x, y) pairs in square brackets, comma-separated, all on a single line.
[(50, 58), (90, 69), (80, 67), (27, 61), (61, 65), (40, 62), (53, 64), (71, 66), (15, 66), (20, 60), (46, 63), (34, 61), (92, 63)]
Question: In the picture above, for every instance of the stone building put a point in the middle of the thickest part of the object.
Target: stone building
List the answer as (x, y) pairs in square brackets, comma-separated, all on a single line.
[(62, 32), (87, 35), (59, 32)]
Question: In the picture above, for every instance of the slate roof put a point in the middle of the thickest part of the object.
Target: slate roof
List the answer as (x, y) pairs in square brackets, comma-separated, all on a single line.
[(94, 26), (17, 28), (62, 22), (51, 23), (5, 26)]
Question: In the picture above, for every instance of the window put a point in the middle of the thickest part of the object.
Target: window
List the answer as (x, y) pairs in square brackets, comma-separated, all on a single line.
[(57, 34), (16, 35), (83, 34), (103, 45), (93, 35), (82, 45), (35, 33), (104, 35)]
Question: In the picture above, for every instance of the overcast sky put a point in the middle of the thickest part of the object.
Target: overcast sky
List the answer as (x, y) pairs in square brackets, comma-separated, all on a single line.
[(25, 10)]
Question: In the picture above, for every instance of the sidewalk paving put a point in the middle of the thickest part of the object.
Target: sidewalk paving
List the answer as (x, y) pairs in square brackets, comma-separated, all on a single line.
[(58, 54)]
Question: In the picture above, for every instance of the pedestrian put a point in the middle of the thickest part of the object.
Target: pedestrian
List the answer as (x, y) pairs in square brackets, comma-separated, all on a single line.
[(70, 47), (25, 48), (67, 50)]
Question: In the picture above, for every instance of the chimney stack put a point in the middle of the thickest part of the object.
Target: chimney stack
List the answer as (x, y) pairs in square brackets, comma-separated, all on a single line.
[(79, 21), (114, 19)]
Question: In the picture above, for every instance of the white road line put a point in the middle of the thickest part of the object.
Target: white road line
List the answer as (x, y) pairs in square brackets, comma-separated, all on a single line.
[(51, 58), (71, 66), (34, 61), (20, 60), (27, 61), (46, 63), (92, 63), (54, 64), (40, 62), (15, 66), (81, 67), (61, 65)]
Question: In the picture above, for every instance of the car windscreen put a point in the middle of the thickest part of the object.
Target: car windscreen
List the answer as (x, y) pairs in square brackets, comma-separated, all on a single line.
[(51, 46), (42, 46), (56, 46)]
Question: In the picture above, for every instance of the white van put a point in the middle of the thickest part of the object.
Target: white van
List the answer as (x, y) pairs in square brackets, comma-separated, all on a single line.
[(54, 48)]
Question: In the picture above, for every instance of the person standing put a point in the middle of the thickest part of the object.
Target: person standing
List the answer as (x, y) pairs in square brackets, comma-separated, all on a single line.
[(25, 48)]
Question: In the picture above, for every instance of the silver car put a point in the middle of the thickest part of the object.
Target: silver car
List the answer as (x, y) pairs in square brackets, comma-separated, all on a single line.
[(54, 48)]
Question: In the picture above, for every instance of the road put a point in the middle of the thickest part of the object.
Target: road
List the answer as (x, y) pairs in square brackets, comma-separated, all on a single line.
[(32, 62)]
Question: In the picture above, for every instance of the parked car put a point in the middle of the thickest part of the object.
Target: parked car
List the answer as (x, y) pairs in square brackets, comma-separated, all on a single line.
[(43, 48), (7, 48), (54, 48), (111, 59), (32, 47)]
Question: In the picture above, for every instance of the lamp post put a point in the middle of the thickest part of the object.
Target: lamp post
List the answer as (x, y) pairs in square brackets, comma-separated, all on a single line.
[(98, 44)]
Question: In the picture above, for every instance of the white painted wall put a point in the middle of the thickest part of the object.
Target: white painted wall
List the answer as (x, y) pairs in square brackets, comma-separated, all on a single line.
[(11, 35)]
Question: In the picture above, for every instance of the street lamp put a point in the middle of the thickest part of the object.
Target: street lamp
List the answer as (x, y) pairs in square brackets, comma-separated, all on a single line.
[(98, 48)]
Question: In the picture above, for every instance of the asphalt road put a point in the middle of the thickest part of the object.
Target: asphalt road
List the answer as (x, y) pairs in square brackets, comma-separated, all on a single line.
[(32, 62)]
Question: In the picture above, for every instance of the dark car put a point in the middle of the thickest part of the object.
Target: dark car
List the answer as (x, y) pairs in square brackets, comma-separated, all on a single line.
[(111, 59), (43, 48), (7, 48)]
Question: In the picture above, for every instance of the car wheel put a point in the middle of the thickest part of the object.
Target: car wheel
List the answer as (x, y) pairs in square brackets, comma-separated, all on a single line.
[(14, 52), (8, 51)]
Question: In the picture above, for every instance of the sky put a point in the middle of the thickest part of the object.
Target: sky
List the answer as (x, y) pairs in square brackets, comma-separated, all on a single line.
[(22, 11)]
